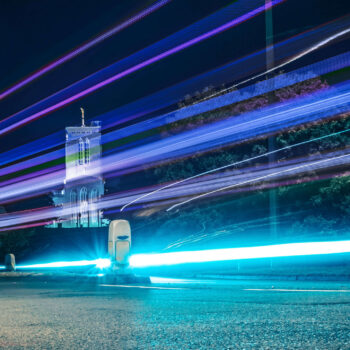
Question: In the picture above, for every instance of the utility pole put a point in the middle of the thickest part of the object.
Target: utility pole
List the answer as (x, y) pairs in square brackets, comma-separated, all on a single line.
[(270, 62)]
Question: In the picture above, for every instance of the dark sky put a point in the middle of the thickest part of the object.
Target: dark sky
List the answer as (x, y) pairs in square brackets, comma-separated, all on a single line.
[(35, 32)]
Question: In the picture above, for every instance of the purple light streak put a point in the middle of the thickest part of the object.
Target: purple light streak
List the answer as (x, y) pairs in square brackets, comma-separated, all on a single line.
[(208, 185), (277, 82), (141, 65), (248, 126), (83, 48), (171, 95)]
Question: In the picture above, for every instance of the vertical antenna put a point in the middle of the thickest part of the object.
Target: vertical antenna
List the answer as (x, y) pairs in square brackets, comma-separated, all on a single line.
[(82, 116)]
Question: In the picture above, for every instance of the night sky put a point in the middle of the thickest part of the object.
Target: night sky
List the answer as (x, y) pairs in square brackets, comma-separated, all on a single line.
[(35, 32)]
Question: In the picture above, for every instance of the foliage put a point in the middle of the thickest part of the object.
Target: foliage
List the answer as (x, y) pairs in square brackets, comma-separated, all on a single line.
[(15, 242), (315, 206)]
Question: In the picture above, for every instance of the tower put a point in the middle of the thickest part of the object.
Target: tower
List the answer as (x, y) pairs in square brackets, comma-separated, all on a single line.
[(83, 185)]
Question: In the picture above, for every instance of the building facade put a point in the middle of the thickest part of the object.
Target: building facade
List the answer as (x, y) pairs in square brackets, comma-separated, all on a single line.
[(83, 185)]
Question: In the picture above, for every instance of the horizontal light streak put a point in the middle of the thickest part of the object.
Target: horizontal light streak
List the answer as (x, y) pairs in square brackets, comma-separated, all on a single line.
[(20, 227), (231, 254), (99, 263)]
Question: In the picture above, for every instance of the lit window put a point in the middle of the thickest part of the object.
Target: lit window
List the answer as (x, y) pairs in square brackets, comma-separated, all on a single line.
[(73, 202), (87, 151), (81, 151), (84, 220), (93, 209), (93, 195)]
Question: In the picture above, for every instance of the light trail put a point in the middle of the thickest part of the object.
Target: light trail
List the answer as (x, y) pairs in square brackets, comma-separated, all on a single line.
[(106, 138), (323, 67), (98, 263), (227, 230), (20, 227), (249, 126), (307, 51), (286, 169), (259, 178), (231, 254), (139, 287), (233, 164), (228, 25), (302, 54), (83, 48), (139, 108), (213, 255)]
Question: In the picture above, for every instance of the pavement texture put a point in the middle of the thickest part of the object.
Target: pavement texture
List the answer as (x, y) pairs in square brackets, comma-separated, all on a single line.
[(174, 314)]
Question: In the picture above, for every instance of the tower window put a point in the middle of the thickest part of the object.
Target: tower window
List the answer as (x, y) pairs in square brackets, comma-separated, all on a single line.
[(93, 195), (87, 151), (93, 208), (81, 151), (84, 220), (73, 202)]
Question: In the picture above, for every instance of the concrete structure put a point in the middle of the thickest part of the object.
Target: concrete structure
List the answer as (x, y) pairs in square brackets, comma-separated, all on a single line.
[(119, 243), (10, 262), (119, 249), (84, 185)]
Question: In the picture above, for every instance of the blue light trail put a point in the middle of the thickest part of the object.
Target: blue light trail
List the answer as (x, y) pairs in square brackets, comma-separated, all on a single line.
[(167, 97), (230, 131), (228, 254), (98, 263), (213, 183)]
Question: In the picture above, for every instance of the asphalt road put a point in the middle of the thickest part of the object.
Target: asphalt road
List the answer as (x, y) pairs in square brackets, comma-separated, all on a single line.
[(237, 315)]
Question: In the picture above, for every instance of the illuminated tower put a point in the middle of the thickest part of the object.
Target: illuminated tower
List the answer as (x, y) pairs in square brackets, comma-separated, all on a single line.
[(84, 185)]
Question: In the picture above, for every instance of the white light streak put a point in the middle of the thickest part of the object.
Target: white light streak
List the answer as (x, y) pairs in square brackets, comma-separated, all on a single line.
[(294, 58), (259, 178), (139, 287), (99, 263), (232, 165), (270, 251)]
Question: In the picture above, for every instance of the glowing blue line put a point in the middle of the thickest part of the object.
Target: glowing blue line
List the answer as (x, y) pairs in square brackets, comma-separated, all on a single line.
[(269, 251), (99, 263)]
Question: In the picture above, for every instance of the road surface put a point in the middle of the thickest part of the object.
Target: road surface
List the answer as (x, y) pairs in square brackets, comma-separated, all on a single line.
[(175, 315)]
